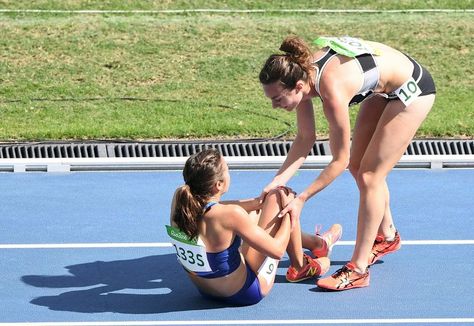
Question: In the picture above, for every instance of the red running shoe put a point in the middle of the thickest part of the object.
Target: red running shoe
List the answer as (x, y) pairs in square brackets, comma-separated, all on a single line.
[(382, 247), (330, 237), (311, 268), (344, 279)]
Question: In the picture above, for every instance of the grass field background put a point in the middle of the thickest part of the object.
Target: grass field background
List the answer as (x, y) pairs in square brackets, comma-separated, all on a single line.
[(195, 75)]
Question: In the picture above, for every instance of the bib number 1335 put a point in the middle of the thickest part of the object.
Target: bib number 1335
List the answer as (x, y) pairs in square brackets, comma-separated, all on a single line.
[(190, 254)]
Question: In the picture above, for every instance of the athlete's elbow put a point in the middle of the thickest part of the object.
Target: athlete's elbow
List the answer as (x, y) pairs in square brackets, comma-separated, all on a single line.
[(342, 161), (280, 250), (277, 251), (308, 138), (304, 143), (278, 254), (345, 163)]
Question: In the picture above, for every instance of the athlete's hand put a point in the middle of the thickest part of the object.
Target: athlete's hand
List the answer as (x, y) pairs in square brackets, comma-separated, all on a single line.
[(287, 195), (266, 190), (293, 208), (258, 204)]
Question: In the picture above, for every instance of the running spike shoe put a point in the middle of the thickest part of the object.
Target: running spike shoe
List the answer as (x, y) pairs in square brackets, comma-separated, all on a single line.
[(344, 279), (382, 247), (330, 237), (312, 268)]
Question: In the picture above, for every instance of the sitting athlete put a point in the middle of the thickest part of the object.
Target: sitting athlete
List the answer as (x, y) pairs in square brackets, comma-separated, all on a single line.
[(207, 234), (396, 94)]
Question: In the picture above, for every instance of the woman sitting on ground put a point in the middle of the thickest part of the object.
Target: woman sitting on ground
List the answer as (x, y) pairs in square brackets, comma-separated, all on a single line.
[(207, 234)]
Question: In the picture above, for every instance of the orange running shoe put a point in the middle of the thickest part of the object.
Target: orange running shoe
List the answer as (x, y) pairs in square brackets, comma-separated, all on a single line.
[(330, 237), (311, 268), (344, 279), (382, 247)]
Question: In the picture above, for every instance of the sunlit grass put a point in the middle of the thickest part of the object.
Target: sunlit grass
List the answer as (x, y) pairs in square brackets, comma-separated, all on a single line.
[(195, 75)]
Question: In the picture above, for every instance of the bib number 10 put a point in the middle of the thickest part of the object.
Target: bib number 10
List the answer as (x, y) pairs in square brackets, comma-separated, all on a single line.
[(408, 92)]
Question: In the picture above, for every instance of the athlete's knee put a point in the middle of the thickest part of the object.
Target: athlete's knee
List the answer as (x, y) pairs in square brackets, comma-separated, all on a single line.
[(274, 193), (281, 196), (354, 168), (368, 179), (273, 196)]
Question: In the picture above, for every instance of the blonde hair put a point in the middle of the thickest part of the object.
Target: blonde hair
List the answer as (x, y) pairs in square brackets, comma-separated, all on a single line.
[(288, 68), (201, 172)]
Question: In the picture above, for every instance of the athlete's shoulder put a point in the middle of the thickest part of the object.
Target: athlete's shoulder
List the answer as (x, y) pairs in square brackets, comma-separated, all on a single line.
[(227, 210)]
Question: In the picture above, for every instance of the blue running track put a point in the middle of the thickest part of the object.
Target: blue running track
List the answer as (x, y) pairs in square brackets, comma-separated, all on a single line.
[(91, 249)]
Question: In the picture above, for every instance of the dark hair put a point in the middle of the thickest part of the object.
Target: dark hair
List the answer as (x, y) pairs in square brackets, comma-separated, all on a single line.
[(201, 172), (290, 67)]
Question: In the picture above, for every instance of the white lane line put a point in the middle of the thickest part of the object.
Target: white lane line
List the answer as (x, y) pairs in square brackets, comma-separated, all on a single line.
[(436, 242), (168, 244), (85, 245), (255, 322), (227, 11)]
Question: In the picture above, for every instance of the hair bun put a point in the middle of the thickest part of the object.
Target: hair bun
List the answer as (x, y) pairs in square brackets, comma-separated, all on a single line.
[(288, 68), (293, 46)]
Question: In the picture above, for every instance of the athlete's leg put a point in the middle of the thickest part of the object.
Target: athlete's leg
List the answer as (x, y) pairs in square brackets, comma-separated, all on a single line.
[(311, 241), (369, 115), (295, 247), (255, 217), (263, 266), (321, 244), (395, 129), (303, 266)]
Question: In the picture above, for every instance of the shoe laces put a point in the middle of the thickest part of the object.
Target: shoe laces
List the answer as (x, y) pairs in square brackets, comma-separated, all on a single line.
[(308, 261), (346, 271)]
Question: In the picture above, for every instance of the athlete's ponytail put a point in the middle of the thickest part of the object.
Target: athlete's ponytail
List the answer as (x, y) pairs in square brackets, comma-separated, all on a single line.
[(187, 209), (290, 67), (201, 172)]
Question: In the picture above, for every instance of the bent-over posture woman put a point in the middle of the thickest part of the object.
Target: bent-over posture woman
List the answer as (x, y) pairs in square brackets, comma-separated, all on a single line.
[(396, 93)]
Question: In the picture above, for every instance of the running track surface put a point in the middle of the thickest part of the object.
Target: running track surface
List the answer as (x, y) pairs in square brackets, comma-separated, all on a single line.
[(91, 249)]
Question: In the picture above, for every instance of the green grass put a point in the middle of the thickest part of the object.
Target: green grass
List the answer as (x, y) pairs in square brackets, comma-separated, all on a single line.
[(232, 4), (168, 76)]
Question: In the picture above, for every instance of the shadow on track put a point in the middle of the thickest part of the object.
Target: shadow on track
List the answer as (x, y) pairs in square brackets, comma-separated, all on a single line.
[(121, 286)]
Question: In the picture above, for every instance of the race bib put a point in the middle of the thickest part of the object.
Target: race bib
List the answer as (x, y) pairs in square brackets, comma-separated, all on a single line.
[(190, 253), (268, 269), (348, 46), (408, 92)]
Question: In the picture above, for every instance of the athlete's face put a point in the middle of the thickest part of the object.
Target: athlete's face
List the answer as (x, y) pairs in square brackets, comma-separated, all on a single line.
[(287, 99), (226, 176)]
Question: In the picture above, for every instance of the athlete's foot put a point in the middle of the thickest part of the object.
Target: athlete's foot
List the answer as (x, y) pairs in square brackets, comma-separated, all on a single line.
[(330, 237), (345, 278), (383, 247), (311, 268)]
